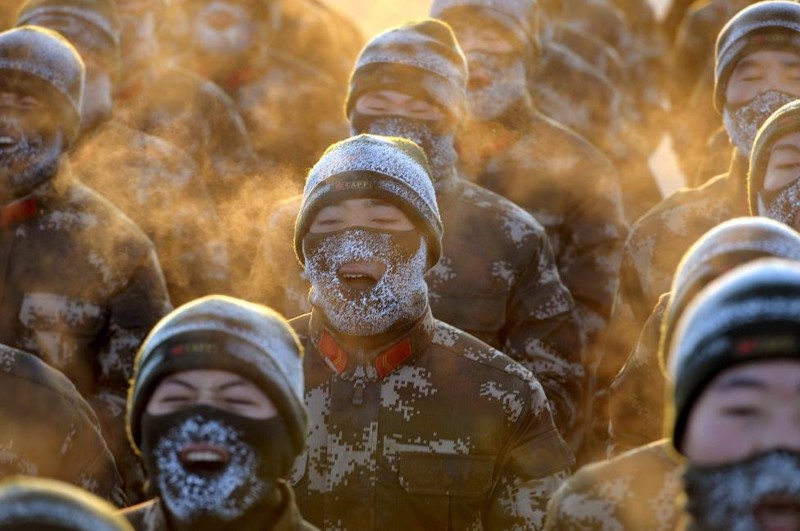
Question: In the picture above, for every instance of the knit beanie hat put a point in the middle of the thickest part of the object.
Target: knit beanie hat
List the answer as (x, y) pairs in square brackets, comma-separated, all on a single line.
[(783, 122), (750, 314), (46, 57), (521, 17), (421, 58), (772, 25), (34, 503), (92, 26), (391, 169), (223, 333)]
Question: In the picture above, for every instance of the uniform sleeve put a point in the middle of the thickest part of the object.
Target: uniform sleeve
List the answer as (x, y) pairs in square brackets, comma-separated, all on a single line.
[(574, 508), (541, 335), (533, 467)]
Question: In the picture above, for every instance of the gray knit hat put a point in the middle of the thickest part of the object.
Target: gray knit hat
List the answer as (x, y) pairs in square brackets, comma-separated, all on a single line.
[(47, 57), (783, 122), (224, 333), (419, 58), (772, 25), (521, 17), (32, 503), (750, 314), (394, 170)]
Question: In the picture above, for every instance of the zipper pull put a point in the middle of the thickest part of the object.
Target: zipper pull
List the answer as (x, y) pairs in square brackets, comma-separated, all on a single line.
[(358, 386)]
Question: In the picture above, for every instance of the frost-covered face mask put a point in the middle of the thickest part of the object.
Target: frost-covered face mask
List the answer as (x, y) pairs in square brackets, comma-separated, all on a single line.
[(782, 204), (745, 495), (223, 29), (352, 307), (435, 139), (743, 122), (29, 156), (497, 82), (214, 469)]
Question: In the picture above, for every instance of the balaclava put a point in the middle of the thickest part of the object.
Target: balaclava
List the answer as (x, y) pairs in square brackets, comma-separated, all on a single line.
[(771, 25), (782, 204), (39, 504), (503, 76), (41, 63), (750, 315), (220, 333), (387, 169), (92, 26), (420, 59)]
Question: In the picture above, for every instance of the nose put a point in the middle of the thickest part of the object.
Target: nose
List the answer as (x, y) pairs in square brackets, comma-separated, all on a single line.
[(219, 19), (785, 433)]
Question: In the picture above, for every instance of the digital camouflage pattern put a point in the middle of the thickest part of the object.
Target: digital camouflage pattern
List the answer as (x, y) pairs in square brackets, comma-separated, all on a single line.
[(161, 189), (655, 246), (81, 289), (68, 445), (639, 489), (455, 435), (149, 516), (571, 188), (496, 281)]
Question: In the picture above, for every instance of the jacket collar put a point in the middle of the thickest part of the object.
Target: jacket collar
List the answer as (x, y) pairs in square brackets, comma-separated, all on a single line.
[(374, 358)]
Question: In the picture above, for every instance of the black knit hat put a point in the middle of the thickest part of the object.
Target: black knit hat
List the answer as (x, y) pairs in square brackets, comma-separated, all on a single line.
[(521, 17), (33, 503), (224, 333), (92, 26), (47, 57), (391, 169), (748, 315), (772, 25), (419, 58), (783, 122)]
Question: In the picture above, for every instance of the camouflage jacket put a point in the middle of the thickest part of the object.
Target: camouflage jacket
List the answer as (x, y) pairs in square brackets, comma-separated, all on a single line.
[(49, 430), (496, 280), (150, 516), (655, 246), (572, 189), (81, 287), (637, 490), (193, 114), (429, 430), (160, 189)]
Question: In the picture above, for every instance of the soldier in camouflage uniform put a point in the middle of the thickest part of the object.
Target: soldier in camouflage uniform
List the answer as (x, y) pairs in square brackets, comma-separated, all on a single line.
[(756, 58), (636, 397), (414, 424), (497, 278), (158, 186), (49, 430), (216, 412), (82, 285), (510, 148)]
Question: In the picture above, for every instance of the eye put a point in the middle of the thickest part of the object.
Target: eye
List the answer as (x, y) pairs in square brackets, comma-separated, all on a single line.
[(175, 399), (29, 103), (740, 412), (238, 401)]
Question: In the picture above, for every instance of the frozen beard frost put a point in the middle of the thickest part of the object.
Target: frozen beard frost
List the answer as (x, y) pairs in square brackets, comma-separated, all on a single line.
[(220, 480), (439, 146), (231, 39), (746, 495), (27, 159), (781, 205), (497, 81), (399, 296), (743, 123)]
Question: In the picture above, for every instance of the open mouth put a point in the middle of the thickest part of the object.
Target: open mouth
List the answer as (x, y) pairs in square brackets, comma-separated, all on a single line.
[(478, 79), (779, 513), (361, 275), (202, 458), (9, 140)]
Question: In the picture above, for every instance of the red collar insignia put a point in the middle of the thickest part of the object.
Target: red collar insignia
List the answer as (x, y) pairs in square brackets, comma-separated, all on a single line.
[(384, 364), (17, 211)]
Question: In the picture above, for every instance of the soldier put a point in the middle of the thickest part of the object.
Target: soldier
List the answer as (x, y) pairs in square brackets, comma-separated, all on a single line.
[(34, 503), (82, 285), (650, 474), (158, 186), (497, 279), (49, 430), (414, 424), (216, 412), (757, 59), (736, 417), (510, 148)]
